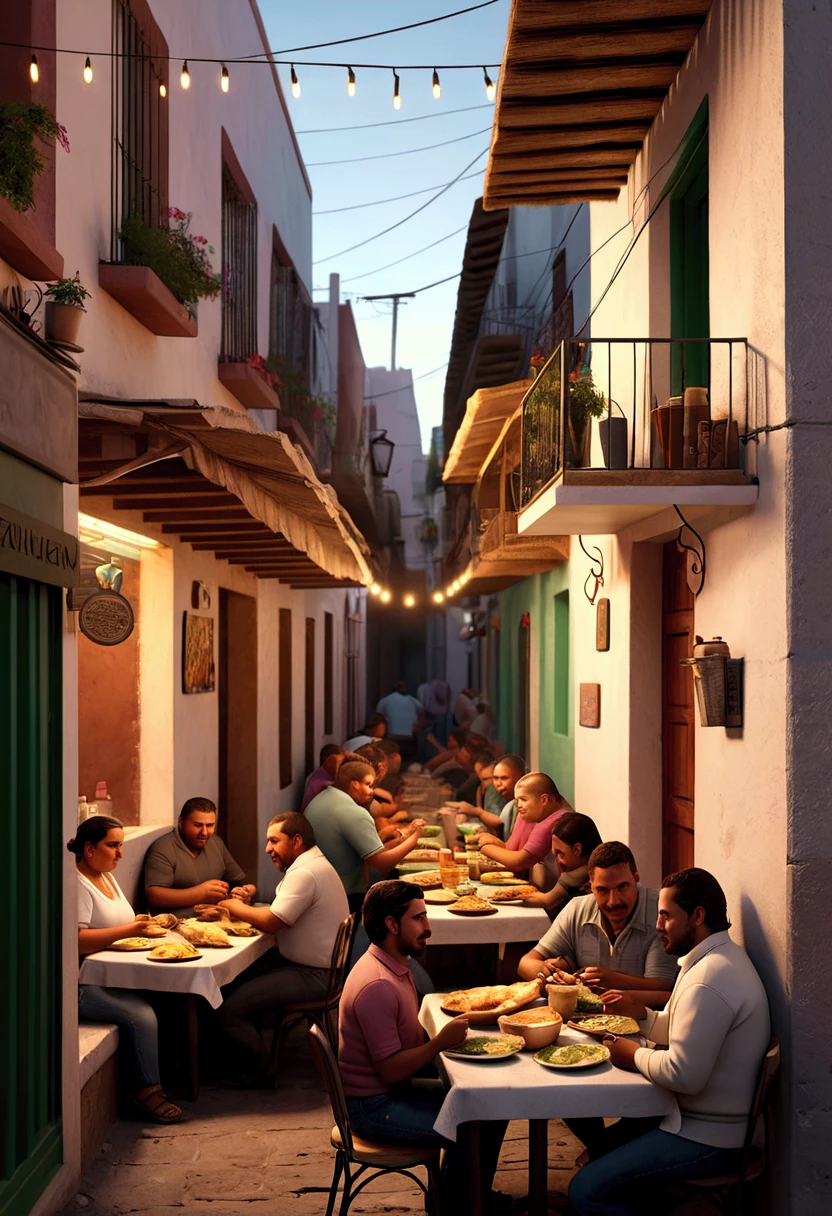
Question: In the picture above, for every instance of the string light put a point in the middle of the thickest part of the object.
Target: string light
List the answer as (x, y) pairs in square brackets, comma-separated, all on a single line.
[(436, 87), (385, 597), (375, 589), (185, 76), (410, 601), (295, 83), (397, 97), (88, 71), (34, 74), (350, 83), (490, 89), (448, 592), (224, 81), (163, 89), (437, 597)]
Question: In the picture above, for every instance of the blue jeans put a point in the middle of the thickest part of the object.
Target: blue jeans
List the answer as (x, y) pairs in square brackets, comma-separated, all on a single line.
[(132, 1013), (619, 1182)]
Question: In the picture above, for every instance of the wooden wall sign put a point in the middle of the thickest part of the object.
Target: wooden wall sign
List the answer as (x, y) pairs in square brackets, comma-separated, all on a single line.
[(602, 625), (590, 705), (106, 618)]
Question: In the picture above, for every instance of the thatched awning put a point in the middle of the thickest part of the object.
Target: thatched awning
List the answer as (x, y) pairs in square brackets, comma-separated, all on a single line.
[(580, 85), (485, 417)]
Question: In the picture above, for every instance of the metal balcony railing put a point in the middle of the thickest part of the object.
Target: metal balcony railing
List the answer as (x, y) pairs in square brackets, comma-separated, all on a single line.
[(635, 403)]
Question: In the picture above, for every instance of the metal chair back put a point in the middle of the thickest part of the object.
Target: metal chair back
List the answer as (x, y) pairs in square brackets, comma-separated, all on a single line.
[(340, 961), (327, 1066)]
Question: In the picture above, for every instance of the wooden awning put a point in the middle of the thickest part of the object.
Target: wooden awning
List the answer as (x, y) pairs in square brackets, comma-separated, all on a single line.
[(211, 478), (485, 415), (580, 85)]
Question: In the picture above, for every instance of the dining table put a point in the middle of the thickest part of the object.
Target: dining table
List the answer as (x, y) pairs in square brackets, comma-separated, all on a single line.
[(520, 1088), (510, 923), (202, 977)]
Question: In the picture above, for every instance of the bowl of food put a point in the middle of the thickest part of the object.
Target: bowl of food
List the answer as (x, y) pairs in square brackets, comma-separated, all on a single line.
[(562, 998), (537, 1027)]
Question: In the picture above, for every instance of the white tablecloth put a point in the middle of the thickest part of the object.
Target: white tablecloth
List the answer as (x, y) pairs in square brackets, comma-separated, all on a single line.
[(512, 923), (518, 1088), (202, 977)]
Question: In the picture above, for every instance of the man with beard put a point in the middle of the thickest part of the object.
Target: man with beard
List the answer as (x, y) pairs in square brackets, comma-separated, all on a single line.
[(191, 865), (346, 833), (308, 908), (382, 1046), (709, 1040)]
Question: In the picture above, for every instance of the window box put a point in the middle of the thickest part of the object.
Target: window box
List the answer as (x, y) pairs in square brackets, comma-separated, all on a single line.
[(143, 294), (25, 248), (248, 386)]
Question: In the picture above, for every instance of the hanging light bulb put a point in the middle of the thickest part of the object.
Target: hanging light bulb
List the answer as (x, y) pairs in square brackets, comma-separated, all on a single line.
[(185, 76), (438, 597), (163, 89), (490, 88), (410, 601), (375, 589), (385, 597), (224, 82), (34, 74), (397, 97), (437, 87), (87, 71), (293, 76), (350, 83)]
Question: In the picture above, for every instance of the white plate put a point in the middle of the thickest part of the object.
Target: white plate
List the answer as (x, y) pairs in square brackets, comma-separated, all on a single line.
[(580, 1063), (467, 1055)]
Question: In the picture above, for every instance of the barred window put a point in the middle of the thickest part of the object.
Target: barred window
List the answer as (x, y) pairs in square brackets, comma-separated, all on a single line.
[(139, 178), (291, 319), (239, 269)]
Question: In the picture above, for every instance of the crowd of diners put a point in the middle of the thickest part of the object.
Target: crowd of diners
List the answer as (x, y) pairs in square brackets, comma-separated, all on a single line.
[(662, 956)]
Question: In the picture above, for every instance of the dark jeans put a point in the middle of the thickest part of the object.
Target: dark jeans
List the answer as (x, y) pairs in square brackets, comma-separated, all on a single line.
[(620, 1182), (138, 1029), (598, 1139), (249, 1006), (407, 1116)]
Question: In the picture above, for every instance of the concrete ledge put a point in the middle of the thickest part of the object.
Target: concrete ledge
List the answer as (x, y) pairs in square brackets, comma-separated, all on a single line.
[(248, 386), (97, 1041), (143, 294), (24, 247)]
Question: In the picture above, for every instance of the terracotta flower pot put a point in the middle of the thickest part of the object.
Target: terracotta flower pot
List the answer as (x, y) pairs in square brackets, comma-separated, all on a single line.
[(63, 322)]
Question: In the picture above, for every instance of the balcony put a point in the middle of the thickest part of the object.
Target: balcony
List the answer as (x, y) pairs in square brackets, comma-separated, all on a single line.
[(619, 432)]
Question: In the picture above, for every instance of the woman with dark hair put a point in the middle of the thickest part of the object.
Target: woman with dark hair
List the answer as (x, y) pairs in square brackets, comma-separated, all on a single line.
[(104, 917), (574, 836)]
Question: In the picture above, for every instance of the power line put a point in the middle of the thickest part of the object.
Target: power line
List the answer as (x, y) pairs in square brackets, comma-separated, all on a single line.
[(352, 160), (392, 122), (396, 199), (407, 256), (381, 33), (422, 207), (404, 387)]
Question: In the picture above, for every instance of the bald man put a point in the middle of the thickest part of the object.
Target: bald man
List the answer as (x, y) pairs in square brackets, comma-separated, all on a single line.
[(539, 805)]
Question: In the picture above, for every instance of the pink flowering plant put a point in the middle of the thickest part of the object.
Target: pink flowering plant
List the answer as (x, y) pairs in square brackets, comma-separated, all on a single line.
[(181, 259), (314, 411), (24, 127)]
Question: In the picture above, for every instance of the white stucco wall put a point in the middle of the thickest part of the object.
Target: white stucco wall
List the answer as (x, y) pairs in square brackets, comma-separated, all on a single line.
[(397, 414)]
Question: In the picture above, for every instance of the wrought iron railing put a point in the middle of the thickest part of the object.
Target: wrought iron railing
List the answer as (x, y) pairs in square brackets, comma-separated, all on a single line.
[(636, 403), (239, 273)]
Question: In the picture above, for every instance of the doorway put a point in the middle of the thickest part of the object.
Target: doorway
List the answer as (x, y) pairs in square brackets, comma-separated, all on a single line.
[(690, 314), (237, 688), (678, 721)]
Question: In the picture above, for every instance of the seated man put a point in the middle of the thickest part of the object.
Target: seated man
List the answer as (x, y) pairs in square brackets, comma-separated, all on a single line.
[(564, 874), (382, 1047), (456, 738), (191, 865), (458, 771), (393, 756), (346, 833), (324, 775), (506, 773), (539, 805), (308, 908), (710, 1042), (375, 729), (473, 790)]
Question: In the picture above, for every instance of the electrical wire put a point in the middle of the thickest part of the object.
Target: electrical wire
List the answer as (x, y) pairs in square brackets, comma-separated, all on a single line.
[(422, 207), (407, 256), (396, 199), (315, 46), (392, 122), (391, 392), (353, 160)]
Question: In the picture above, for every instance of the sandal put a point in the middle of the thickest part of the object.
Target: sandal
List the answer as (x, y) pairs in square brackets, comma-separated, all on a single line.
[(159, 1106)]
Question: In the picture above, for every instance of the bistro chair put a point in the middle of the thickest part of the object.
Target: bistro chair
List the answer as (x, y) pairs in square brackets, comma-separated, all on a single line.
[(372, 1160), (727, 1189), (324, 1012)]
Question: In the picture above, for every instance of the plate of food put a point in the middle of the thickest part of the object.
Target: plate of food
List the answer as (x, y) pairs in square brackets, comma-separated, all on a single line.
[(487, 1047), (470, 829), (441, 896), (588, 1001), (429, 880), (485, 1005), (572, 1055), (174, 952), (472, 905), (499, 878), (511, 895), (425, 854), (151, 929), (204, 934), (601, 1024), (431, 829), (166, 919), (132, 943)]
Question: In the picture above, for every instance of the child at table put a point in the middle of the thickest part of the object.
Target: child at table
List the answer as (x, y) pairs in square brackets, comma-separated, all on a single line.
[(104, 917)]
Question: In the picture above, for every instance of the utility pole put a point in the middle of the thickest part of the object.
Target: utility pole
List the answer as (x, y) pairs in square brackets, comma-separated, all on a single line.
[(395, 297)]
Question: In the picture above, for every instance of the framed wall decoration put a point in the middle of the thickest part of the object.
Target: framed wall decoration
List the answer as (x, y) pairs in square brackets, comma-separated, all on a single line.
[(197, 653), (590, 705), (602, 625)]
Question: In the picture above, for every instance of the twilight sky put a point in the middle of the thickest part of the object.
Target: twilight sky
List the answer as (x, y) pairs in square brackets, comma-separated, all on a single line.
[(424, 323)]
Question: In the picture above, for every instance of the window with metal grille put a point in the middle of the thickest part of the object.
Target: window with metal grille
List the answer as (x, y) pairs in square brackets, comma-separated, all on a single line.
[(139, 172), (239, 271)]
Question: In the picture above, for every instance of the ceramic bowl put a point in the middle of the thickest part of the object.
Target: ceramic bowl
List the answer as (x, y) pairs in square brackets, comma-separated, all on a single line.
[(563, 998), (534, 1034)]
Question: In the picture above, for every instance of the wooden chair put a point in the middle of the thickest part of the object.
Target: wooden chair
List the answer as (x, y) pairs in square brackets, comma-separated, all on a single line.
[(727, 1189), (373, 1160), (324, 1012)]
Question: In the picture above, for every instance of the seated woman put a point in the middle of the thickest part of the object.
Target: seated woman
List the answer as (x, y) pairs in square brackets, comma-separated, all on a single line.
[(105, 916), (574, 836)]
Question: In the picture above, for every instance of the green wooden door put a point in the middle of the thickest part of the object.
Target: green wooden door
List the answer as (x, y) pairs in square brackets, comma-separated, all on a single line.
[(30, 890), (690, 313)]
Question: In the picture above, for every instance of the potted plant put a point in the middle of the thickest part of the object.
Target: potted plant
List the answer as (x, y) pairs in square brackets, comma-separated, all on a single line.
[(180, 259), (585, 403), (64, 306), (21, 161)]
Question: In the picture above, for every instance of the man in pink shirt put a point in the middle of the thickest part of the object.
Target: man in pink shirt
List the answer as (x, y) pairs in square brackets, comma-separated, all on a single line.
[(382, 1045), (323, 776), (539, 805)]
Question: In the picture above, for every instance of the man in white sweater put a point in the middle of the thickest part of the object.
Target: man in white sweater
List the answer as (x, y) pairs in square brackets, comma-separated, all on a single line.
[(710, 1042)]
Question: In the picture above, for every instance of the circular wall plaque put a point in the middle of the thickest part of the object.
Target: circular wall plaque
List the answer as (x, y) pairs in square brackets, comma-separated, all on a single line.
[(106, 618)]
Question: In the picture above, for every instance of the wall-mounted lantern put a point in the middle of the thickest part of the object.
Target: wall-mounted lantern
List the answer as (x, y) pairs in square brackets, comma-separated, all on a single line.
[(381, 453)]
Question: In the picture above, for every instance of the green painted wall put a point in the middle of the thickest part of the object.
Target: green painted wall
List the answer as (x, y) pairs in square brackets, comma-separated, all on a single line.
[(542, 596)]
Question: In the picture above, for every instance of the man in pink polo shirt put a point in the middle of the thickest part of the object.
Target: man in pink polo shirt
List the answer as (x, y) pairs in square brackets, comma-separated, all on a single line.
[(539, 805), (382, 1045)]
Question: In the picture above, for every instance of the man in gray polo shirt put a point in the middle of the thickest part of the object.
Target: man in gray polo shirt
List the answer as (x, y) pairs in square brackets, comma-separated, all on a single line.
[(191, 865)]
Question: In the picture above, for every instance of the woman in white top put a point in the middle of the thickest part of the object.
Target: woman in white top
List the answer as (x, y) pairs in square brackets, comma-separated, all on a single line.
[(105, 916)]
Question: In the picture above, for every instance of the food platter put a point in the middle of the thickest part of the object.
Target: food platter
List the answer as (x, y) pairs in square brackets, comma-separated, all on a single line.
[(482, 1006), (472, 905), (428, 880), (600, 1025), (507, 895), (440, 896), (572, 1055), (133, 943), (487, 1047), (177, 958), (499, 878)]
